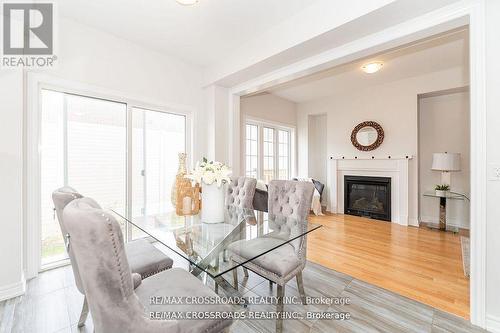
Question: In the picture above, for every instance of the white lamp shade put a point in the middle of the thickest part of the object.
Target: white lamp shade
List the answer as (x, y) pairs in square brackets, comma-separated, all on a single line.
[(446, 161)]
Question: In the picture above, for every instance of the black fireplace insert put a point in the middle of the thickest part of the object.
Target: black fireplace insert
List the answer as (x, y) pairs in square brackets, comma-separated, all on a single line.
[(368, 196)]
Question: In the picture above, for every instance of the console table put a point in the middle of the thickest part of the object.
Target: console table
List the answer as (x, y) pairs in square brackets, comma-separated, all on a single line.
[(442, 209)]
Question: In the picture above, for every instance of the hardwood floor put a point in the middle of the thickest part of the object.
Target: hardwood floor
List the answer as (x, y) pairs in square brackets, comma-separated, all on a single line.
[(421, 264)]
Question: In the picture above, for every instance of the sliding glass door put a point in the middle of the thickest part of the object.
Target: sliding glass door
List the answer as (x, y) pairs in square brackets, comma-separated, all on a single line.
[(157, 140), (125, 158), (84, 145), (52, 171)]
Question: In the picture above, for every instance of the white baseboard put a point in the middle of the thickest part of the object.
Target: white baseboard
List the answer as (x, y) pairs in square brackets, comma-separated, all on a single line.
[(493, 324), (13, 290), (449, 221), (412, 221)]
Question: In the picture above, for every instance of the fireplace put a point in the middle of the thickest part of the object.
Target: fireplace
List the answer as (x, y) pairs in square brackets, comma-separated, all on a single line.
[(368, 196)]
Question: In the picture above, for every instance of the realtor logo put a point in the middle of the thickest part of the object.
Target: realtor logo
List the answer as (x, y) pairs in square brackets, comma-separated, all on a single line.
[(28, 35), (28, 29)]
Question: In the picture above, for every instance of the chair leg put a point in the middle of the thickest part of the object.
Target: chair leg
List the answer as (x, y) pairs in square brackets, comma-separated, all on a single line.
[(235, 278), (270, 284), (85, 312), (280, 308), (300, 287), (217, 262), (245, 270)]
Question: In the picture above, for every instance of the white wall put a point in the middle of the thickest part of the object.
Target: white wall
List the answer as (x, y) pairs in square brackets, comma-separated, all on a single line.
[(215, 122), (392, 105), (493, 152), (444, 126), (317, 135), (269, 107), (89, 56), (95, 58), (11, 175)]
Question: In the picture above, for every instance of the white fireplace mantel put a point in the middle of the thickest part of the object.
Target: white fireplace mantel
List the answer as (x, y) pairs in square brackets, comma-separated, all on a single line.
[(394, 167)]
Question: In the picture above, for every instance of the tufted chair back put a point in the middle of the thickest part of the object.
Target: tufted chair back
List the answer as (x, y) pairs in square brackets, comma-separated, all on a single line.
[(290, 198), (289, 206), (240, 192), (96, 242), (237, 215), (61, 198)]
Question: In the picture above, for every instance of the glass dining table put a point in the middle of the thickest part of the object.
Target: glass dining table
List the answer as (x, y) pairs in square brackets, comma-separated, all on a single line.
[(204, 245)]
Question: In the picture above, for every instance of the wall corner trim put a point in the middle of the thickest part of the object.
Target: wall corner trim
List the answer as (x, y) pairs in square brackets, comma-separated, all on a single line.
[(493, 323), (413, 221), (13, 290)]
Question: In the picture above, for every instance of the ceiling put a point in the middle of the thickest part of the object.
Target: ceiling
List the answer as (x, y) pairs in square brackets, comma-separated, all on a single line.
[(201, 34), (432, 55)]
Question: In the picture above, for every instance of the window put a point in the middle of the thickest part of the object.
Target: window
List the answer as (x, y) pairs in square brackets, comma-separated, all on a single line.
[(284, 154), (85, 144), (267, 151), (251, 150), (268, 170)]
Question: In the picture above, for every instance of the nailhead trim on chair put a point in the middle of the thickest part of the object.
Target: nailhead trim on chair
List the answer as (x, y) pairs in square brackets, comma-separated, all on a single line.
[(117, 257), (146, 275)]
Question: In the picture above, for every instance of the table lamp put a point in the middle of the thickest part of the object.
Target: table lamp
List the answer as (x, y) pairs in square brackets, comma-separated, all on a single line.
[(446, 162)]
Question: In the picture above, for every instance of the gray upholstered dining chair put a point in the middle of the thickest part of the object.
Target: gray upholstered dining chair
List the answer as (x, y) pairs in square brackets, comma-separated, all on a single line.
[(96, 242), (144, 258), (289, 206), (240, 192)]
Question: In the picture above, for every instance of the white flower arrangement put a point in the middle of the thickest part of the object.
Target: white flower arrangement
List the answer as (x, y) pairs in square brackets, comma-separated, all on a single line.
[(210, 172)]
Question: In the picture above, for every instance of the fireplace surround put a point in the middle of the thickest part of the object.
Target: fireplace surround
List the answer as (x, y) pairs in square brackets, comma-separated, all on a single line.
[(368, 196)]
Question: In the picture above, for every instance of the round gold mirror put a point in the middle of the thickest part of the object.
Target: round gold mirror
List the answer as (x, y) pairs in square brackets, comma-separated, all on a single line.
[(367, 136)]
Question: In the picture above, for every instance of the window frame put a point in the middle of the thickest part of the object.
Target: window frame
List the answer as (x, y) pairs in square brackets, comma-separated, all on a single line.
[(249, 155), (289, 153), (275, 155), (261, 124)]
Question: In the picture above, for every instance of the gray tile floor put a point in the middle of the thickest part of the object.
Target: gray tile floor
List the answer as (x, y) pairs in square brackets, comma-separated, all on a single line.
[(52, 304)]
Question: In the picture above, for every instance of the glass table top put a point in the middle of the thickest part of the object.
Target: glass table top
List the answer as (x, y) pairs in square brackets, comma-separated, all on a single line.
[(204, 245), (448, 195)]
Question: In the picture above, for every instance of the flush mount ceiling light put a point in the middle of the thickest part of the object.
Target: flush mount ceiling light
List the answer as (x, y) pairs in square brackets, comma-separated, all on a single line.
[(187, 2), (372, 67)]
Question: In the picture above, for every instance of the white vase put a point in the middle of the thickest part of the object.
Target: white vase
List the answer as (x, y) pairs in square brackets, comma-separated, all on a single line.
[(212, 201)]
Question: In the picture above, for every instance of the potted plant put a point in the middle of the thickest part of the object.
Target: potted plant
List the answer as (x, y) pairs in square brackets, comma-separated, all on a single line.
[(211, 175), (442, 189)]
